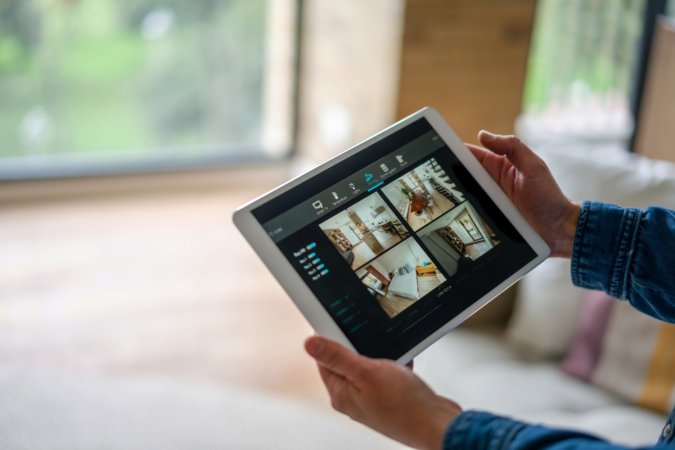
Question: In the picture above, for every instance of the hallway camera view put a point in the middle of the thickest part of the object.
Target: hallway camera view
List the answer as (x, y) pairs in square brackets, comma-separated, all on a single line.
[(423, 194), (458, 237), (400, 277), (364, 230)]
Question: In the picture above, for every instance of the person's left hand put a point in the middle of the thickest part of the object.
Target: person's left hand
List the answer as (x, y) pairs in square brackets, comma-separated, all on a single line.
[(383, 395)]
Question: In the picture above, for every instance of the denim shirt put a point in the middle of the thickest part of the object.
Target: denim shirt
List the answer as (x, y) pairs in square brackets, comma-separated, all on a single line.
[(629, 254)]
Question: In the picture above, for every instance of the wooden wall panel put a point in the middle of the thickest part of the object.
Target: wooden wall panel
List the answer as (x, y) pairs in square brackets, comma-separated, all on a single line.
[(349, 73), (656, 130), (466, 58)]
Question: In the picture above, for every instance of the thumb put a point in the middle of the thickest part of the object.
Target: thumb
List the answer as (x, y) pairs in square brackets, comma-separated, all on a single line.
[(519, 154), (334, 356)]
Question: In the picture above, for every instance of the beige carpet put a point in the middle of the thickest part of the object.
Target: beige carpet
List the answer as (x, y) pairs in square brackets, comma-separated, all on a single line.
[(149, 304), (58, 410)]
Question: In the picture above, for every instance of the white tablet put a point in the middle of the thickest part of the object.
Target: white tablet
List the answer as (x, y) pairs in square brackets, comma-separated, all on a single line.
[(391, 244)]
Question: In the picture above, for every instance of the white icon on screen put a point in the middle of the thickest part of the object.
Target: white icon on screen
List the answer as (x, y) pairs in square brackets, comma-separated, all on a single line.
[(317, 204), (352, 186), (335, 195), (384, 168), (399, 158)]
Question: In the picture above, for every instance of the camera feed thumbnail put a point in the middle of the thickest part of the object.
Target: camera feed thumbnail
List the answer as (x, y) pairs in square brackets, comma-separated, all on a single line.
[(458, 237), (423, 194), (364, 230), (400, 277)]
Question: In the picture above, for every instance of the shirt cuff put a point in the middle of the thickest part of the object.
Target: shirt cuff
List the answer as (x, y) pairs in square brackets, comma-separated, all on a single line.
[(478, 430), (603, 243)]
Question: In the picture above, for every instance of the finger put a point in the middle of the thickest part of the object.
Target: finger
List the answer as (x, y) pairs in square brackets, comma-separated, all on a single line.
[(411, 364), (334, 383), (477, 151), (339, 390), (335, 357), (515, 151), (493, 163)]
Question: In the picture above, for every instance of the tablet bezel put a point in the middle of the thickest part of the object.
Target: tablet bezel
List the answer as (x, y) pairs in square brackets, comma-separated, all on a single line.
[(299, 291)]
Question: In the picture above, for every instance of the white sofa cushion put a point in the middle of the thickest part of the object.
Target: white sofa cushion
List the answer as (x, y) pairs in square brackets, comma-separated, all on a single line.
[(547, 305), (42, 408), (483, 372)]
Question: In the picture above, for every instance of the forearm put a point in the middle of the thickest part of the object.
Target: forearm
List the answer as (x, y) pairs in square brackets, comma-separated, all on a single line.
[(629, 254)]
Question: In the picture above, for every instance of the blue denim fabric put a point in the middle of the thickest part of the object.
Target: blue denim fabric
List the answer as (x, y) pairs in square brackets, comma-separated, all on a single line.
[(629, 254), (479, 430)]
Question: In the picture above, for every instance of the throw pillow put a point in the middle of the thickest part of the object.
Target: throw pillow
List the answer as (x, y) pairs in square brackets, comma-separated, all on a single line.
[(625, 352)]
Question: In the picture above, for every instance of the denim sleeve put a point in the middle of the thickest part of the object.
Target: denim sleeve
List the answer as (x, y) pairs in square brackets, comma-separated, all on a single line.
[(629, 254), (479, 430)]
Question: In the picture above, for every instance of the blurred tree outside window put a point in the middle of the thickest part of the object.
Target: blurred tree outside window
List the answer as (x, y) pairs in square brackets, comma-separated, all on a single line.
[(101, 83), (581, 68)]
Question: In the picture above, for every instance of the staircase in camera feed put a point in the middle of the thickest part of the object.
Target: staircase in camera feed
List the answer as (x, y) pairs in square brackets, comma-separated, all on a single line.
[(440, 174)]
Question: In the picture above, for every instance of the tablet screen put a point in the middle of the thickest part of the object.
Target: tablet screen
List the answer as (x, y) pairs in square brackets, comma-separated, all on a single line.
[(396, 240)]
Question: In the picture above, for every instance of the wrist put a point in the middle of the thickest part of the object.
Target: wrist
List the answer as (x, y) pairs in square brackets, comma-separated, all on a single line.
[(564, 243), (443, 415)]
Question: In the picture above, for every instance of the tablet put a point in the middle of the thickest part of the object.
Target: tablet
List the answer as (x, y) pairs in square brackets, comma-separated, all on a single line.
[(391, 244)]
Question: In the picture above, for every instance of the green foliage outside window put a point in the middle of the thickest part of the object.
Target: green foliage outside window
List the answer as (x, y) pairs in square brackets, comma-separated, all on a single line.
[(129, 76)]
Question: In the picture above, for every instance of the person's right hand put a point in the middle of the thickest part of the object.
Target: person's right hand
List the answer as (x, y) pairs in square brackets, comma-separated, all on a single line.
[(528, 182)]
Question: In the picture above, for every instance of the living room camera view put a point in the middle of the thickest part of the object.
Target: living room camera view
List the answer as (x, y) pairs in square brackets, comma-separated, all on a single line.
[(364, 230), (400, 277), (423, 194), (458, 237), (395, 269)]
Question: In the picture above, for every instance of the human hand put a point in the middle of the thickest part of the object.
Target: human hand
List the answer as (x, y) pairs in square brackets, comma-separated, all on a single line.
[(528, 182), (383, 395)]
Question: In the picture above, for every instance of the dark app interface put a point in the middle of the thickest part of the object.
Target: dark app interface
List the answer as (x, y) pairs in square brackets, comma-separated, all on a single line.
[(396, 245)]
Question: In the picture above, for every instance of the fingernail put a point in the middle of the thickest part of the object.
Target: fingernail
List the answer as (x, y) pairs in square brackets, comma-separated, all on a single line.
[(487, 134), (314, 346)]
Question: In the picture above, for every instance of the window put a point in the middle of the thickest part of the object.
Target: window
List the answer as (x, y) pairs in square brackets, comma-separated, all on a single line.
[(101, 86), (581, 67)]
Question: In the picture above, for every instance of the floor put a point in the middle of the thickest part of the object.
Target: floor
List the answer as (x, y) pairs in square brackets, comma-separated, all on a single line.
[(144, 285), (394, 304), (363, 253), (427, 283), (386, 239), (441, 206), (478, 249)]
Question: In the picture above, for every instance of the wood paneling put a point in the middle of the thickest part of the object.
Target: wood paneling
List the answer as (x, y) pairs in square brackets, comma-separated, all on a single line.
[(349, 73), (656, 130), (466, 58)]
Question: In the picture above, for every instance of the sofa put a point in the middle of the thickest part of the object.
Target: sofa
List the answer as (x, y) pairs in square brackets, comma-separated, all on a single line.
[(509, 358)]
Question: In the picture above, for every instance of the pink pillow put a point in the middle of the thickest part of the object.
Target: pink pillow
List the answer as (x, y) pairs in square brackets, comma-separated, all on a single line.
[(584, 351), (624, 351)]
